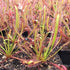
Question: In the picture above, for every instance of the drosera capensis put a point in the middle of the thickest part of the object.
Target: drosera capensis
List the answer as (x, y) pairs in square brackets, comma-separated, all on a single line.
[(38, 46), (35, 17)]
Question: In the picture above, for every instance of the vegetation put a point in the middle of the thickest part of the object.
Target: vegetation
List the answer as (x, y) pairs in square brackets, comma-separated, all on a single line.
[(35, 28)]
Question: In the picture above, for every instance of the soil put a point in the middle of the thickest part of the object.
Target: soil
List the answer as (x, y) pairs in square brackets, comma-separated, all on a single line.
[(14, 64)]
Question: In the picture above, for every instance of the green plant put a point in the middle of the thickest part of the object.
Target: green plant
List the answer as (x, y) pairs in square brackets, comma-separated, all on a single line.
[(8, 45), (41, 53), (65, 28), (35, 18)]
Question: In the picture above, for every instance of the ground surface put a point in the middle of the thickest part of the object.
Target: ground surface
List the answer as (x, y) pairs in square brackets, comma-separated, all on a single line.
[(13, 64)]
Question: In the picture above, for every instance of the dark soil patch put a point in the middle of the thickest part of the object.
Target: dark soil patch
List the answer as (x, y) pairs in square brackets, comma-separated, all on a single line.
[(13, 64)]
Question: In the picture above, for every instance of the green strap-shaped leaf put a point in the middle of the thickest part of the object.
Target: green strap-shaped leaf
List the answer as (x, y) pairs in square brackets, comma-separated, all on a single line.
[(17, 18), (46, 54), (56, 30), (2, 48)]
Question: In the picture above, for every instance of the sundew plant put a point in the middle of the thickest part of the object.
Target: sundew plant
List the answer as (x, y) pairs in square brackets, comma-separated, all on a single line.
[(35, 28)]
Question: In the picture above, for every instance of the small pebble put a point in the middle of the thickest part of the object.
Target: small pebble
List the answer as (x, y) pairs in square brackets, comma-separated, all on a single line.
[(4, 57), (10, 60), (0, 53), (6, 65), (15, 69)]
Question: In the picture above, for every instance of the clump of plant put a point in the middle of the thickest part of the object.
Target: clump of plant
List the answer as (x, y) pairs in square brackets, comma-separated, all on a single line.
[(65, 25), (34, 31), (34, 47)]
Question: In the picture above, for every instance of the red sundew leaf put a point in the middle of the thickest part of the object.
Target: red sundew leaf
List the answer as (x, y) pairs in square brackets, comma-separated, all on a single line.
[(11, 13), (1, 36), (24, 4), (31, 41), (64, 37), (44, 2), (57, 66), (63, 67)]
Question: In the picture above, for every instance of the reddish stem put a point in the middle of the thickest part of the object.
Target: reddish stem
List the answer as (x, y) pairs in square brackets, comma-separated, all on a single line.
[(38, 68), (62, 67), (17, 58), (17, 53), (63, 34)]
